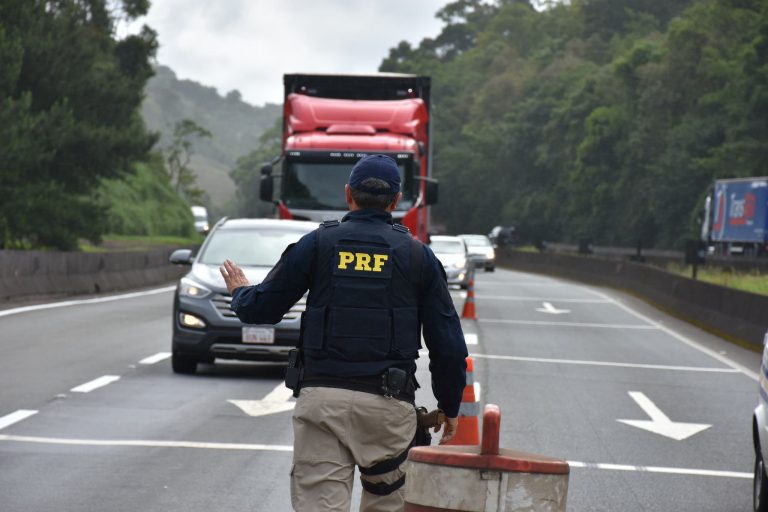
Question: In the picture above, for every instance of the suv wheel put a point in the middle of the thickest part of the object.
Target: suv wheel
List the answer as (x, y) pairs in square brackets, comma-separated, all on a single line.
[(760, 489), (183, 364)]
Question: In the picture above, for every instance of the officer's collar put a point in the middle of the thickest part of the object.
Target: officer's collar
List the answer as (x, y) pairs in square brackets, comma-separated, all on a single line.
[(368, 215)]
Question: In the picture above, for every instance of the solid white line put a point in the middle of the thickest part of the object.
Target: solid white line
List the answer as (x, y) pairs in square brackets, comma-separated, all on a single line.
[(657, 469), (693, 344), (155, 358), (542, 299), (97, 300), (150, 444), (568, 324), (15, 417), (607, 363), (288, 448), (95, 384), (470, 338)]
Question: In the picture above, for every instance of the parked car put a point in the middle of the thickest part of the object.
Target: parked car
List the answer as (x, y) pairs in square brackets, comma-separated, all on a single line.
[(760, 436), (452, 253), (201, 219), (204, 326), (480, 251)]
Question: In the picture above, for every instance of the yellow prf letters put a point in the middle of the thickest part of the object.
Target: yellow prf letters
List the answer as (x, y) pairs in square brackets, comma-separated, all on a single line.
[(362, 261)]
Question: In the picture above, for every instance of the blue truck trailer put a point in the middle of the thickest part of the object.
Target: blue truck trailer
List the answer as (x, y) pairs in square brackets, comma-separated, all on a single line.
[(736, 217)]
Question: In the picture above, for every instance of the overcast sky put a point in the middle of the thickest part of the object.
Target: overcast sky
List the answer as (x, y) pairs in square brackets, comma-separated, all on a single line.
[(249, 44)]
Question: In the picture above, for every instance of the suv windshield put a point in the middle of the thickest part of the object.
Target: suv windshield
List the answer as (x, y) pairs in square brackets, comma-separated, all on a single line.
[(320, 185), (479, 241), (258, 248)]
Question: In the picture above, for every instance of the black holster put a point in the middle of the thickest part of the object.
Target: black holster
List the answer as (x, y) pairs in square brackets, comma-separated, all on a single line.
[(294, 372)]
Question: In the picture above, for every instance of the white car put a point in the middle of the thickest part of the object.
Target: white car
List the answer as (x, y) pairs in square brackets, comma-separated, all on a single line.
[(452, 253), (201, 219), (480, 251), (760, 436)]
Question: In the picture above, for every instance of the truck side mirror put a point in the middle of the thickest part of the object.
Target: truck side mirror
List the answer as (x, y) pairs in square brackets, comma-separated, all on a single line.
[(266, 170), (430, 191), (266, 188)]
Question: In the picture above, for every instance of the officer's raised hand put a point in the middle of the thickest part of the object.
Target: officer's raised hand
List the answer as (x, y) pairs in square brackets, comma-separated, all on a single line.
[(233, 276)]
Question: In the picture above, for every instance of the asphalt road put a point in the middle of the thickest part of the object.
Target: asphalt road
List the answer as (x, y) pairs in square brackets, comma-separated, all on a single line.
[(92, 418)]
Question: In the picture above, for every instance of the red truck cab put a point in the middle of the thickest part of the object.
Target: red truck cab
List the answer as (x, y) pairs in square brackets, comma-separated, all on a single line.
[(329, 123)]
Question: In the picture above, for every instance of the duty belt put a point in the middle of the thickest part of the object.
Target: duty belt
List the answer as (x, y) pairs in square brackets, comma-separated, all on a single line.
[(372, 384)]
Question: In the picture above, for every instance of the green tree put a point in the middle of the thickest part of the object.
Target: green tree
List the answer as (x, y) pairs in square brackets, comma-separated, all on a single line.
[(69, 93), (178, 157), (247, 173)]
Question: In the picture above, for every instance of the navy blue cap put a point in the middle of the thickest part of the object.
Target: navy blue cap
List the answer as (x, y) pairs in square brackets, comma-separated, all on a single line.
[(382, 167)]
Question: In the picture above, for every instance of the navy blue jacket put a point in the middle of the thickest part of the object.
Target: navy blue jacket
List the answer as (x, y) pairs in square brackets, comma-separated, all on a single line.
[(291, 277)]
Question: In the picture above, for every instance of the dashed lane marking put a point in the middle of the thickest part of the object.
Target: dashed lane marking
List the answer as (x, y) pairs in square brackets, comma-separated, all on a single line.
[(569, 324), (160, 356), (15, 417), (288, 448), (97, 300), (95, 384), (658, 469), (656, 325), (607, 363), (470, 338)]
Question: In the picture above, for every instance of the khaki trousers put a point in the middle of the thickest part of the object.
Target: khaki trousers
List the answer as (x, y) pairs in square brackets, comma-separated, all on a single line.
[(336, 429)]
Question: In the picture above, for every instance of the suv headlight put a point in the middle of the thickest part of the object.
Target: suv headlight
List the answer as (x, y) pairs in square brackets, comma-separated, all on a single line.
[(190, 288), (460, 264)]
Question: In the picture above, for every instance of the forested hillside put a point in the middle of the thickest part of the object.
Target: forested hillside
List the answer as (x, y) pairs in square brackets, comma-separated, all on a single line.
[(601, 119), (235, 127)]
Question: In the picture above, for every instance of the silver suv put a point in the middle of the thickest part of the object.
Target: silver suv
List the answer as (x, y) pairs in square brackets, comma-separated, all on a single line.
[(204, 326)]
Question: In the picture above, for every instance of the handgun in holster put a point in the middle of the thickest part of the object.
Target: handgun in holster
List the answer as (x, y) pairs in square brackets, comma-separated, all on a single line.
[(294, 372), (426, 420)]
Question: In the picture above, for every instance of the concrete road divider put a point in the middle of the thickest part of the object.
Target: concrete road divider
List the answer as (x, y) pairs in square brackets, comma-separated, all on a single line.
[(27, 274), (468, 430), (484, 478)]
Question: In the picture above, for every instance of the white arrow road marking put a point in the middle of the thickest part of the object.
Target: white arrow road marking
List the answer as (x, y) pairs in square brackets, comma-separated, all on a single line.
[(660, 423), (276, 401), (552, 310)]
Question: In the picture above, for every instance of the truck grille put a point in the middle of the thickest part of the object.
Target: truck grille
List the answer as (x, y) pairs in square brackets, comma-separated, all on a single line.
[(222, 301)]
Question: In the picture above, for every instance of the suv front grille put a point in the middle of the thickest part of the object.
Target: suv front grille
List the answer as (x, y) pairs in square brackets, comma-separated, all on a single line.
[(222, 301)]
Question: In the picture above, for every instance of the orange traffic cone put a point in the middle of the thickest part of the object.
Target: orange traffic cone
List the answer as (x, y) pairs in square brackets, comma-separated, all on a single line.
[(469, 303), (468, 430)]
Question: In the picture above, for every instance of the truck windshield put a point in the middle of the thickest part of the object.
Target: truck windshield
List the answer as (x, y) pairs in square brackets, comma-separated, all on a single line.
[(320, 185)]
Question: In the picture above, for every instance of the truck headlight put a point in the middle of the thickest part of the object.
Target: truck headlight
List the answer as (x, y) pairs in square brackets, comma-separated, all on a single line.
[(190, 288)]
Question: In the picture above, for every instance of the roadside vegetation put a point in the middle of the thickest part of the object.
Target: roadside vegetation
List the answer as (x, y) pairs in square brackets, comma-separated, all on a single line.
[(76, 160), (753, 281), (593, 119)]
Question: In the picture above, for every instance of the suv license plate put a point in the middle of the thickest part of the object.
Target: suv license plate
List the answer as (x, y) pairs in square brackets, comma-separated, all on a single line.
[(264, 335)]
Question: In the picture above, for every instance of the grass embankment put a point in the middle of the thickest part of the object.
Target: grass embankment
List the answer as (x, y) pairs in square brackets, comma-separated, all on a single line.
[(130, 243), (752, 281), (146, 211)]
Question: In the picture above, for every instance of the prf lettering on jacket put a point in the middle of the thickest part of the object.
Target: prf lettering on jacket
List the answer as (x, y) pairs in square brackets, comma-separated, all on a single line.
[(362, 261)]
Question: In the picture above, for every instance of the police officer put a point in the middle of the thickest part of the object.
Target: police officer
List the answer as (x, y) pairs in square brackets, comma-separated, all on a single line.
[(372, 289)]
